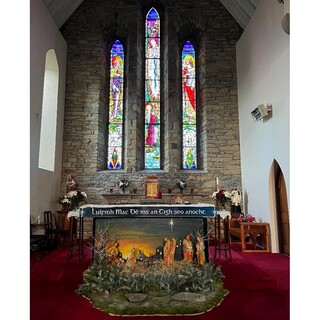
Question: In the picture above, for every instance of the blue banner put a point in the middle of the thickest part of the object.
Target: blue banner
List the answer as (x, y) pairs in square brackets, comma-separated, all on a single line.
[(127, 211)]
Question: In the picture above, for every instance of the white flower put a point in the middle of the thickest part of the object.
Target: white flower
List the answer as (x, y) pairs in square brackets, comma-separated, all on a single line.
[(123, 183), (74, 198), (214, 194), (227, 194), (72, 194)]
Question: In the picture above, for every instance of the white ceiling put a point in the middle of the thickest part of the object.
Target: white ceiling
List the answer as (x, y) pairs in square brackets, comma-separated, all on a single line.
[(241, 10)]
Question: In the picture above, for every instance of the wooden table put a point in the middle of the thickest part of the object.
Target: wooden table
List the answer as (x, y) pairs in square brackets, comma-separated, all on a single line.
[(38, 225), (258, 233)]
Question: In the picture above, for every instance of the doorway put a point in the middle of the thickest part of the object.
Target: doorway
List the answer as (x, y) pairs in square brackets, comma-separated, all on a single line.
[(282, 210)]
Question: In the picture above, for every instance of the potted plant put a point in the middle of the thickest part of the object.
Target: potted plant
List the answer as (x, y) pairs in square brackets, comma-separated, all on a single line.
[(72, 200)]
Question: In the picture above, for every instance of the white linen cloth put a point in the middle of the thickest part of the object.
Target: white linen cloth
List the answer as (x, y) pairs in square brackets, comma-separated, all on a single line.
[(224, 213), (74, 213)]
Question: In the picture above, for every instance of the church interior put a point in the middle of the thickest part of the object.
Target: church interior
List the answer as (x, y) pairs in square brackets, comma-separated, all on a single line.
[(163, 104)]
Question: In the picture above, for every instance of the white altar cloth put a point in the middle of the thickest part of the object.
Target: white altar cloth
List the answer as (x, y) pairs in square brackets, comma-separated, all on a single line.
[(224, 213), (73, 213)]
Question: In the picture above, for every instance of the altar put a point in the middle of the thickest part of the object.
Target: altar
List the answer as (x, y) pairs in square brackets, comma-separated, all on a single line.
[(138, 249), (144, 227)]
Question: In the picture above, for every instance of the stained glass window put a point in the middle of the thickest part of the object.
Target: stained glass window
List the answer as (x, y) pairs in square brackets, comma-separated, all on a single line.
[(115, 125), (189, 107), (152, 90)]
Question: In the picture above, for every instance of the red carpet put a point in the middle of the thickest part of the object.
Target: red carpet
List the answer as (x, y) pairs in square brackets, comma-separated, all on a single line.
[(258, 285)]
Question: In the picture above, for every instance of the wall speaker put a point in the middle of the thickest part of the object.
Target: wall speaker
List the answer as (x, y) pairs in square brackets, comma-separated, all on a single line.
[(262, 112)]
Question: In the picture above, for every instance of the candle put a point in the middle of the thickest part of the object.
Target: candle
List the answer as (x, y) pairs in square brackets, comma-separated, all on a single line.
[(217, 183)]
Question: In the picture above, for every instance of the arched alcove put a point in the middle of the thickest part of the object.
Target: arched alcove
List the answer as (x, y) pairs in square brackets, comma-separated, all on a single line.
[(279, 217), (48, 129)]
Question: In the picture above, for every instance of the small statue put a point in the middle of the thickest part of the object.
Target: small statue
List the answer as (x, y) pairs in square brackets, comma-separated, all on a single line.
[(235, 200), (169, 249), (187, 248), (200, 251), (131, 258), (71, 184), (113, 254)]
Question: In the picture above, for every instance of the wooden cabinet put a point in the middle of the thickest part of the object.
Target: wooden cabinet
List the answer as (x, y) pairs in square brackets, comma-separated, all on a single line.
[(254, 237)]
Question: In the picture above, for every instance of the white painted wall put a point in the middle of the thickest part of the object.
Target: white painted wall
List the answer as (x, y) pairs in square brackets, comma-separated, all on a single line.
[(263, 77), (44, 35)]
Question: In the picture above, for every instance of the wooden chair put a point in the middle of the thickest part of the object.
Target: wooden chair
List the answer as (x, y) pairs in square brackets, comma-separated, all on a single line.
[(52, 230), (234, 230), (48, 224), (221, 237), (38, 242)]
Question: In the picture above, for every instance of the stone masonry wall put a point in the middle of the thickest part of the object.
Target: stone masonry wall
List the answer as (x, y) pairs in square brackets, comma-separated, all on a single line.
[(89, 32)]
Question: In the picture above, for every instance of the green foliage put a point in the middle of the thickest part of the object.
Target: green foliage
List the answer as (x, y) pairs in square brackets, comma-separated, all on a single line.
[(104, 278)]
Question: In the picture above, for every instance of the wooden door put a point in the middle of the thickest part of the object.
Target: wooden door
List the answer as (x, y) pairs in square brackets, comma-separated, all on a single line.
[(282, 214)]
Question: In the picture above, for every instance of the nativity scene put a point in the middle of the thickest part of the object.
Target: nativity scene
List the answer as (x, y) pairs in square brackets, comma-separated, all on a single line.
[(166, 275)]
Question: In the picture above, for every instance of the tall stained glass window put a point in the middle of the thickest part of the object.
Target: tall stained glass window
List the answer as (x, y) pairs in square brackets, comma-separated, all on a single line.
[(115, 125), (152, 90), (189, 107)]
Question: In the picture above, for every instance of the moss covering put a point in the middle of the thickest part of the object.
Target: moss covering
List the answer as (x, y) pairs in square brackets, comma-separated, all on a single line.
[(105, 286), (117, 304)]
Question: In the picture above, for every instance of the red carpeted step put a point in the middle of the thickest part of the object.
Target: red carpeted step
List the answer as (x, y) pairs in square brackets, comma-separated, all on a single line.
[(247, 276), (258, 285), (240, 272)]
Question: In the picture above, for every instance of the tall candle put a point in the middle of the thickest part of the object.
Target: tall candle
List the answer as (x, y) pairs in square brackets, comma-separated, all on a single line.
[(217, 183)]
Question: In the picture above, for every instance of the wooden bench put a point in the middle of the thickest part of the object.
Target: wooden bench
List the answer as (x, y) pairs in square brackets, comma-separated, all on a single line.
[(257, 232), (234, 228)]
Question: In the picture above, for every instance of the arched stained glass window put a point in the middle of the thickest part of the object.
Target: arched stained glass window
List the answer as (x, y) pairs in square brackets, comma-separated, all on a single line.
[(152, 90), (189, 107), (115, 125)]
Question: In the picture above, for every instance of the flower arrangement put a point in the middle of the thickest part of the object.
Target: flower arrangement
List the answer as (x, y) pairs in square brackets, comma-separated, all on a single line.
[(72, 199), (123, 184), (221, 198), (181, 185), (246, 218)]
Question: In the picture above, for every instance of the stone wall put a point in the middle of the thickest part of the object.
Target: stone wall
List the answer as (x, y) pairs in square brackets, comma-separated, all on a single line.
[(89, 32)]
